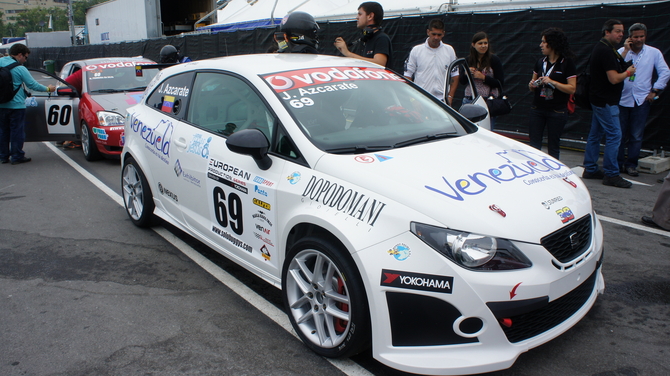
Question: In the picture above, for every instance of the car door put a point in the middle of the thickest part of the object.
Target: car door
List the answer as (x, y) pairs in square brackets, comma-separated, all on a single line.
[(464, 74), (228, 192), (51, 116), (159, 122)]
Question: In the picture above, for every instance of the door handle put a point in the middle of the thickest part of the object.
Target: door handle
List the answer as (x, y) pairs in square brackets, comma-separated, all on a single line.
[(181, 143)]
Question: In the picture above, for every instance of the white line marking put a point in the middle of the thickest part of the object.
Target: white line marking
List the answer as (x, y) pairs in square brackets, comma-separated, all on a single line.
[(347, 366), (108, 191), (634, 225)]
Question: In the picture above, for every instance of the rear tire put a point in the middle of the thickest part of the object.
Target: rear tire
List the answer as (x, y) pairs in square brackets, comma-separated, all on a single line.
[(137, 197), (325, 298), (88, 146)]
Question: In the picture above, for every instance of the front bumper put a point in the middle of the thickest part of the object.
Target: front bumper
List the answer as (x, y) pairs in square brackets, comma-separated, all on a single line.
[(484, 320)]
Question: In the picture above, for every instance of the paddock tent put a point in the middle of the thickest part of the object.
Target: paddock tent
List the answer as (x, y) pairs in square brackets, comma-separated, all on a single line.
[(251, 14)]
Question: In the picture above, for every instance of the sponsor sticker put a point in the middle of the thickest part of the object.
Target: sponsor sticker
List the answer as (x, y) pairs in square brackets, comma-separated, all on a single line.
[(265, 252), (100, 133), (294, 178), (345, 200), (364, 159), (417, 281), (520, 165), (565, 214), (262, 204), (547, 204), (336, 78), (199, 146), (400, 251), (166, 192)]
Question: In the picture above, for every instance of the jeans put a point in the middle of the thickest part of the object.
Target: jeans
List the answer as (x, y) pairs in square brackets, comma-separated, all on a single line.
[(492, 120), (633, 120), (605, 120), (554, 121), (12, 133)]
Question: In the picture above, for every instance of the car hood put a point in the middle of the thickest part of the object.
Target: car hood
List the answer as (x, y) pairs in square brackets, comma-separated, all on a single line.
[(118, 102), (481, 182)]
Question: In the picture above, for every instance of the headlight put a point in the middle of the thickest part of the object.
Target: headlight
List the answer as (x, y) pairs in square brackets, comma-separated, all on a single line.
[(472, 251), (108, 119)]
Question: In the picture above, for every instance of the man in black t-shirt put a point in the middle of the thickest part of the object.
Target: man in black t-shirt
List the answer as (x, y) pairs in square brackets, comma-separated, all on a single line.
[(608, 71), (374, 45)]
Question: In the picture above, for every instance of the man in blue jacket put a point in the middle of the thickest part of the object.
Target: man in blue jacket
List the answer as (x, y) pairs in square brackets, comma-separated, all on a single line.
[(13, 113)]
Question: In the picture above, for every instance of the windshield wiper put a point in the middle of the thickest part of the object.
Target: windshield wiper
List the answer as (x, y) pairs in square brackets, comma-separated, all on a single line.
[(139, 88), (358, 149), (107, 91), (419, 140)]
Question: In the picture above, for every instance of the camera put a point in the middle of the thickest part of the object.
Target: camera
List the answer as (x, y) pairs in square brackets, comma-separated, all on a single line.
[(539, 83)]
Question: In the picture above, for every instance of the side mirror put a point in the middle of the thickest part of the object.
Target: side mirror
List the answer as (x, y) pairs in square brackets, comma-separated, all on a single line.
[(473, 112), (66, 91), (251, 142)]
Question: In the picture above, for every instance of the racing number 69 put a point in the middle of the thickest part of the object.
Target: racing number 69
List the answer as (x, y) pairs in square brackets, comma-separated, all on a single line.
[(234, 210), (58, 115)]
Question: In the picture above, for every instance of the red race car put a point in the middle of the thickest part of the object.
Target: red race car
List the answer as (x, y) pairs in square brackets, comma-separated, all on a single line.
[(107, 86)]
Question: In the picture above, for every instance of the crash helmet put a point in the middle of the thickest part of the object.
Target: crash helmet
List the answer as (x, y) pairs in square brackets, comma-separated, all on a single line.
[(300, 28), (169, 54)]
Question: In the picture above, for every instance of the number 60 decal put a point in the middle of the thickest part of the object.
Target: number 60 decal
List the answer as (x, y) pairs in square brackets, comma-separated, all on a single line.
[(59, 115)]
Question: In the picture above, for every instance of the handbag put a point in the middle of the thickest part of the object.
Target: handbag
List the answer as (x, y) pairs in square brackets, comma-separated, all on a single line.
[(499, 105)]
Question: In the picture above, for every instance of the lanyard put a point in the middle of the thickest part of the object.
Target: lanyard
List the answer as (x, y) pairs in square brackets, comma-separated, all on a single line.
[(546, 72), (639, 57)]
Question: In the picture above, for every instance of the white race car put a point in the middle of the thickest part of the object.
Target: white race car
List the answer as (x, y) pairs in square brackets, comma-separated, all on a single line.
[(387, 218)]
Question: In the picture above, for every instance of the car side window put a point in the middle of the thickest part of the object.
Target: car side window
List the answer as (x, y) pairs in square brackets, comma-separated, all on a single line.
[(285, 146), (172, 95), (225, 104)]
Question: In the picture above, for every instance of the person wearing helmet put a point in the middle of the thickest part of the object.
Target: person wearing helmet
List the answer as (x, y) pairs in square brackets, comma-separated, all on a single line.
[(170, 55), (297, 34)]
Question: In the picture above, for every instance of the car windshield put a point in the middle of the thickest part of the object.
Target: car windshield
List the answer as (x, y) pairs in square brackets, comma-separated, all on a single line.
[(112, 78), (356, 110)]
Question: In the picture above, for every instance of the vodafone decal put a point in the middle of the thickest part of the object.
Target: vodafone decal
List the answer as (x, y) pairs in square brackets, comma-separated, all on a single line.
[(124, 64), (306, 77)]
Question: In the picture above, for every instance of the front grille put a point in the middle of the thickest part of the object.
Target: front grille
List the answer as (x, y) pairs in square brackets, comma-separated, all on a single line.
[(570, 241), (533, 323)]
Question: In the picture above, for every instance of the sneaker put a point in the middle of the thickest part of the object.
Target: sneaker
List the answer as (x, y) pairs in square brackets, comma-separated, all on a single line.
[(631, 171), (22, 160), (71, 145), (597, 174), (617, 181), (5, 161)]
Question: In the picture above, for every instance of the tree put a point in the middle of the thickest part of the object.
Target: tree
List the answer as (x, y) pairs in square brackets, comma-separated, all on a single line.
[(32, 20), (79, 9)]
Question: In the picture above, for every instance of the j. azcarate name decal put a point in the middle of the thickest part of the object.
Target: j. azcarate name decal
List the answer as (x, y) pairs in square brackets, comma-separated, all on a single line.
[(520, 165)]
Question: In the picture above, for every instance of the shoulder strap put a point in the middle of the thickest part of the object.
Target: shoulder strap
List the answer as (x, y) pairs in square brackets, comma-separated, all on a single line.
[(10, 67)]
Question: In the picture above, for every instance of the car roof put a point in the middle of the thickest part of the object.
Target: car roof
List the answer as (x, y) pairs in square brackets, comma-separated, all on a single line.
[(259, 64)]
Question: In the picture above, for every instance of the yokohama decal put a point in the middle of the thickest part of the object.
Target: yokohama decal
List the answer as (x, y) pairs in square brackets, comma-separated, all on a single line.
[(415, 281)]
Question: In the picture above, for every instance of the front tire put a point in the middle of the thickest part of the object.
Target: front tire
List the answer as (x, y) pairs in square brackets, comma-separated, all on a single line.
[(325, 298), (88, 146), (137, 197)]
